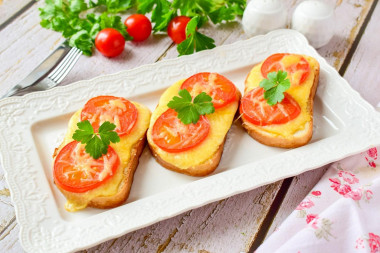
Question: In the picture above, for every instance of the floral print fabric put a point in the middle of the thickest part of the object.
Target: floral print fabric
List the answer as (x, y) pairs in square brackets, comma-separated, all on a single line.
[(341, 213)]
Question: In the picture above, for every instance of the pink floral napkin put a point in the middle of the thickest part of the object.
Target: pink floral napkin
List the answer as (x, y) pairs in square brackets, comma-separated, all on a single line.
[(340, 214)]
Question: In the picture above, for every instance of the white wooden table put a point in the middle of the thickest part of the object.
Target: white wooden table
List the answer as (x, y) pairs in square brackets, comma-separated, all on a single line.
[(239, 223)]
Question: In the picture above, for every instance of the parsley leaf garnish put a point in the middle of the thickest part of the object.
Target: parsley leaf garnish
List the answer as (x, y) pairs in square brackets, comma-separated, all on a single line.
[(189, 111), (96, 143), (275, 85), (194, 39)]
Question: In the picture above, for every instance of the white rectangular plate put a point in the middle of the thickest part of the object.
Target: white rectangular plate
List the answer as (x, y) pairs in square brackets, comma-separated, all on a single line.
[(33, 125)]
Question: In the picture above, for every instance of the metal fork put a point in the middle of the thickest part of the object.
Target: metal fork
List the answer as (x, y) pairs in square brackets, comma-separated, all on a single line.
[(37, 79)]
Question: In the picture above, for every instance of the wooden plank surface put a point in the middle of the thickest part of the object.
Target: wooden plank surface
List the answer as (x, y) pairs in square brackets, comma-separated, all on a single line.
[(41, 42), (10, 8), (362, 73), (300, 186), (229, 224), (200, 229), (349, 17)]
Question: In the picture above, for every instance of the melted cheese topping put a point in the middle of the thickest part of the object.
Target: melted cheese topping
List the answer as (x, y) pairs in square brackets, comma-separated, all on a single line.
[(220, 123), (77, 201), (83, 163), (113, 105), (300, 93), (198, 87)]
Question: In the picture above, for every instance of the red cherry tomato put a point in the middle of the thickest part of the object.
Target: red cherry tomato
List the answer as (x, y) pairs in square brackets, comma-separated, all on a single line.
[(177, 28), (222, 90), (110, 42), (171, 135), (118, 111), (77, 171), (297, 72), (256, 110), (138, 26)]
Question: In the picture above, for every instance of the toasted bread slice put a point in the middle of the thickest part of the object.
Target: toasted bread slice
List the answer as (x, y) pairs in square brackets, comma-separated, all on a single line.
[(116, 190), (126, 183), (204, 158), (198, 170), (123, 189), (296, 132)]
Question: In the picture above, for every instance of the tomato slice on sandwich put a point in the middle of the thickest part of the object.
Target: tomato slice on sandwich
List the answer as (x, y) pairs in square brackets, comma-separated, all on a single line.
[(297, 67), (256, 110), (222, 90), (118, 111), (76, 171), (171, 135)]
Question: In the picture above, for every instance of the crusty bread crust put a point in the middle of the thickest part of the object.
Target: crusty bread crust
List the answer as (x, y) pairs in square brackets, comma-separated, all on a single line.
[(197, 171), (294, 141), (125, 185), (279, 141)]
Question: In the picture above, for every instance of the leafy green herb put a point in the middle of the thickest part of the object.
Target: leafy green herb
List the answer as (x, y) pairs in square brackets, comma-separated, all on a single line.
[(217, 10), (194, 40), (161, 10), (79, 22), (189, 111), (275, 85), (65, 16), (96, 143)]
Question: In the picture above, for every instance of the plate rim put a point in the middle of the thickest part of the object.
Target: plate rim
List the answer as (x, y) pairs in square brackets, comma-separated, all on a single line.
[(10, 106)]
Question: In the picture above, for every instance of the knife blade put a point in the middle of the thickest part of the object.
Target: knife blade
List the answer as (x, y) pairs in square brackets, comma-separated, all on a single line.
[(42, 70)]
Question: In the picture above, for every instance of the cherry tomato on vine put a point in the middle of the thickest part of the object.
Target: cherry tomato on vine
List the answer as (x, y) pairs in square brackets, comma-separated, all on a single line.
[(110, 42), (138, 26), (177, 28)]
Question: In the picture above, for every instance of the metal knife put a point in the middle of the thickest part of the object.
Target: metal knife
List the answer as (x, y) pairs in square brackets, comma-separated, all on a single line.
[(42, 70)]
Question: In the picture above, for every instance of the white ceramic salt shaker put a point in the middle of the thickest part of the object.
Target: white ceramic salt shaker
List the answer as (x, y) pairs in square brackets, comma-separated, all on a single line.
[(315, 19), (262, 16)]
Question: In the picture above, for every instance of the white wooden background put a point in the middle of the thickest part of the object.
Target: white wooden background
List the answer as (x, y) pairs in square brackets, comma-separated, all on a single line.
[(239, 223)]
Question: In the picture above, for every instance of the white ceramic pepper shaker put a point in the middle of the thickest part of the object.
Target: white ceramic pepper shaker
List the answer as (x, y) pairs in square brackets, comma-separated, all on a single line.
[(262, 16), (315, 19)]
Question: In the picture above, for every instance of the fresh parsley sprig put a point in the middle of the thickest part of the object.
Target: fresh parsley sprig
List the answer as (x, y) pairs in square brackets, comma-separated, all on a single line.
[(275, 85), (96, 143), (190, 110), (194, 39)]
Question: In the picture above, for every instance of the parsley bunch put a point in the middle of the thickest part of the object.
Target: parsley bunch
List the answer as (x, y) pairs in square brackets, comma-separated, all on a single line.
[(275, 85), (216, 10), (195, 40), (65, 16), (96, 143), (188, 110), (199, 10), (79, 21)]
